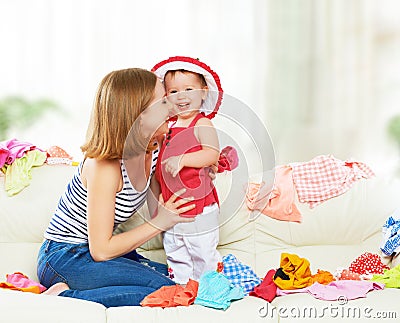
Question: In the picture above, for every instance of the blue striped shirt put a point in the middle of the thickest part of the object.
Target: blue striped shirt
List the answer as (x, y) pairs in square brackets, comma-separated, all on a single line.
[(69, 221)]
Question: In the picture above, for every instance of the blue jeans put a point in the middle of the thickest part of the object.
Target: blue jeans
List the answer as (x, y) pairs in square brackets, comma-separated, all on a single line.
[(122, 281)]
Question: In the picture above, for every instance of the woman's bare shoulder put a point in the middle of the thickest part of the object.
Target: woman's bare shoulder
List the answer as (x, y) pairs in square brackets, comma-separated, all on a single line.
[(101, 171)]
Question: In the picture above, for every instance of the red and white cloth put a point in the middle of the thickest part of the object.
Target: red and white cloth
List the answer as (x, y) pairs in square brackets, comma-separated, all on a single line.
[(325, 177), (368, 263), (57, 155)]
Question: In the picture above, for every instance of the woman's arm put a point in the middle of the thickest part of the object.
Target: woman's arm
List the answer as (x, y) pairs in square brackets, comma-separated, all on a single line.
[(103, 181), (152, 196), (208, 155)]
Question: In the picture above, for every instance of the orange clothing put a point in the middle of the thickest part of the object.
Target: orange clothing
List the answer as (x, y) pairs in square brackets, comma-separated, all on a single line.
[(323, 277), (171, 296), (19, 281), (188, 294), (30, 289)]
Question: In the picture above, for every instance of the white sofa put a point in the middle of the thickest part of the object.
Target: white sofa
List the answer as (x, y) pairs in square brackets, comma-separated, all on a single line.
[(330, 236)]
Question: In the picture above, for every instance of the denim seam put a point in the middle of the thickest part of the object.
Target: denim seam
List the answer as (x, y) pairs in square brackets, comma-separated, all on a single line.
[(53, 271)]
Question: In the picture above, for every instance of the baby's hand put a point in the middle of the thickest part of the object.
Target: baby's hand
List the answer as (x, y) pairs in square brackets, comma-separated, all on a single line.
[(173, 165)]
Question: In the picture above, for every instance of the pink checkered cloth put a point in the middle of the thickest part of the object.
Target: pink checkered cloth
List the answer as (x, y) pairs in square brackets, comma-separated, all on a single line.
[(325, 177)]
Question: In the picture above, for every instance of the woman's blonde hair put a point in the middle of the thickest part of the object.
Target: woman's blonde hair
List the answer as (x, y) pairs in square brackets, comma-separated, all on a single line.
[(120, 99)]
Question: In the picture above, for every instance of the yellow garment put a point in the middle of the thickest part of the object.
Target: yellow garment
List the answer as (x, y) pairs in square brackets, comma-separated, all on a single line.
[(18, 174), (298, 270), (391, 278)]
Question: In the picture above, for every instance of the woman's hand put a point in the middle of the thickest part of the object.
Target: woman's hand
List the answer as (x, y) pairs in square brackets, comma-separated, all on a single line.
[(168, 212)]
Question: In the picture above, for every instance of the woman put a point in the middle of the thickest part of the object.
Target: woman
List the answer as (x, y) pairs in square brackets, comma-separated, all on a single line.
[(81, 258)]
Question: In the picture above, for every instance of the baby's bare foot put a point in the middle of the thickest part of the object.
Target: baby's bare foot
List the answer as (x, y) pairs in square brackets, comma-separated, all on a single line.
[(56, 289)]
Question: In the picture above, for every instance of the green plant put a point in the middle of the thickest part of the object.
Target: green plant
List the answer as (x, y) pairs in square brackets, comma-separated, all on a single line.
[(394, 129), (16, 112)]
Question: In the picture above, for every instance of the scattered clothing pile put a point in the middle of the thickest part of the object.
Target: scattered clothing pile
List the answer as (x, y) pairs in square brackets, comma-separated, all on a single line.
[(234, 280), (17, 158), (294, 276), (314, 182), (216, 289)]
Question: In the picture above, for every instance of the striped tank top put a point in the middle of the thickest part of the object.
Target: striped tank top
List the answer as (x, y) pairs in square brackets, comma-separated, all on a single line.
[(69, 221)]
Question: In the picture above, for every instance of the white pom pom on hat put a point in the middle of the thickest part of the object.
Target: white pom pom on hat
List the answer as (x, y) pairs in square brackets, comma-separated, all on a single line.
[(214, 97)]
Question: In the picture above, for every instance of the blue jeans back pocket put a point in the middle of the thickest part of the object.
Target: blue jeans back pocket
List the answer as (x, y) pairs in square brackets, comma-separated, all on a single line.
[(48, 276)]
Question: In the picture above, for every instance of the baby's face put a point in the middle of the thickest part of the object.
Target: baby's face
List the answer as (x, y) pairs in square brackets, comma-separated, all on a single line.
[(186, 92)]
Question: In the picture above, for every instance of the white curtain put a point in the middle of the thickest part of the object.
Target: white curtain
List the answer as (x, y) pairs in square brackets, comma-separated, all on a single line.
[(328, 61), (62, 49), (321, 74)]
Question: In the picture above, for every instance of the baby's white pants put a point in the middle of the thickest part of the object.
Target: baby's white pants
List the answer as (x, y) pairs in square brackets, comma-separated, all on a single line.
[(191, 248)]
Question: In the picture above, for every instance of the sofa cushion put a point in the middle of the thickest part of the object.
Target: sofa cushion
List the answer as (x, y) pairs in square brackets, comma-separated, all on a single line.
[(20, 257), (334, 233), (25, 216), (27, 307), (244, 310)]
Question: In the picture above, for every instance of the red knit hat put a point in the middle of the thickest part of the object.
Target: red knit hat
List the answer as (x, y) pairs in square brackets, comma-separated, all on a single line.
[(214, 96)]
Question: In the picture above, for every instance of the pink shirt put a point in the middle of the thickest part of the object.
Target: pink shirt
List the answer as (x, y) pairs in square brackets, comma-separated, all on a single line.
[(12, 149), (349, 289)]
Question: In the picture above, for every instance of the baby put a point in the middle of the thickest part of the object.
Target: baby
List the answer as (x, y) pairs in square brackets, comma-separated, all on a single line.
[(191, 145)]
